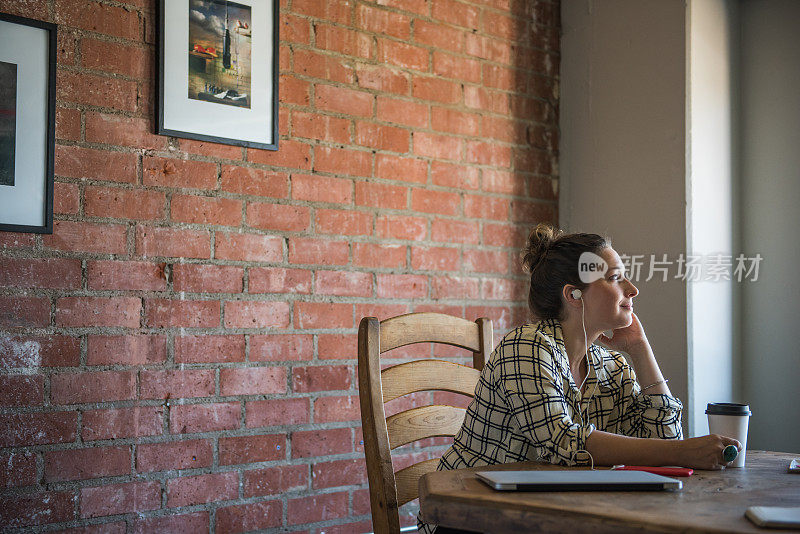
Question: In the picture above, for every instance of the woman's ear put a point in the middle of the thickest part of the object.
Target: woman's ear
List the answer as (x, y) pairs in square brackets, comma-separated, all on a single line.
[(571, 294)]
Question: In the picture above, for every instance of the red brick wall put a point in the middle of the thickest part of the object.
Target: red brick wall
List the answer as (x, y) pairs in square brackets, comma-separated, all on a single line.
[(180, 353)]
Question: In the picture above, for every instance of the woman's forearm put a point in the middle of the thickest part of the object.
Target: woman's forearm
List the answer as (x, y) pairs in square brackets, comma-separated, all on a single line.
[(610, 449), (647, 369)]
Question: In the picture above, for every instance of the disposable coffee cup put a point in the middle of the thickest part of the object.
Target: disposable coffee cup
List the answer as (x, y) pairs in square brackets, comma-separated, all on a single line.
[(730, 420)]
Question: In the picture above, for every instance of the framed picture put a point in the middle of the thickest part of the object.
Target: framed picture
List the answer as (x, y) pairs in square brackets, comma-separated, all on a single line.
[(218, 71), (27, 124)]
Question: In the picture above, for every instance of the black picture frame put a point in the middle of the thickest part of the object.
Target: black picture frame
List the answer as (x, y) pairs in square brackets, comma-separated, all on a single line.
[(31, 186), (183, 109)]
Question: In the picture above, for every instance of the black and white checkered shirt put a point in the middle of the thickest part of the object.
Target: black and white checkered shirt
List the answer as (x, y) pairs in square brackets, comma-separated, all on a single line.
[(528, 407)]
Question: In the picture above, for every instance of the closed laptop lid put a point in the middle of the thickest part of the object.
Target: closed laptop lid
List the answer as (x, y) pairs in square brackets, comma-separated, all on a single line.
[(577, 480)]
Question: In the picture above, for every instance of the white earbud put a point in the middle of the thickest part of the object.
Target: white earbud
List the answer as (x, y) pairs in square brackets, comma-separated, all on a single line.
[(577, 293)]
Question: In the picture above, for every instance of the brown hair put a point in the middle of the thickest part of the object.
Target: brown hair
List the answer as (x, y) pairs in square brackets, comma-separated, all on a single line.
[(551, 257)]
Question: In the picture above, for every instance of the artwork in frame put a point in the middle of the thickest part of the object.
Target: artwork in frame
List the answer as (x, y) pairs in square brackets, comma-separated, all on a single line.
[(27, 124), (218, 71)]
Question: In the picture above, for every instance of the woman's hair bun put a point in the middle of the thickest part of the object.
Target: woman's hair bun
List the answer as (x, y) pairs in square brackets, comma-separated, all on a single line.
[(541, 238)]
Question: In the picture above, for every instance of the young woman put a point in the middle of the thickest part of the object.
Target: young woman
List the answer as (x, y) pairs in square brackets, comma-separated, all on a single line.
[(549, 393)]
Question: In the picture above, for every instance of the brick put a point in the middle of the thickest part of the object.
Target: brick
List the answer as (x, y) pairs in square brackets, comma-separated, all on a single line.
[(323, 127), (120, 499), (37, 509), (126, 350), (216, 150), (456, 122), (322, 66), (382, 137), (434, 258), (173, 524), (342, 100), (488, 154), (336, 409), (24, 311), (279, 217), (80, 464), (68, 124), (195, 278), (503, 26), (401, 227), (452, 175), (435, 202), (381, 311), (163, 313), (252, 181), (323, 315), (484, 47), (456, 13), (504, 78), (320, 378), (249, 517), (343, 222), (87, 237), (126, 275), (205, 210), (318, 251), (341, 161), (21, 390), (98, 311), (121, 130), (83, 88), (209, 349), (119, 423), (47, 273), (380, 78), (501, 235), (101, 386), (248, 247), (344, 283), (187, 491), (50, 350), (322, 442), (100, 18), (17, 469), (38, 428), (252, 381), (505, 130), (379, 256), (403, 55), (450, 231), (481, 207), (172, 242), (277, 412), (454, 287), (496, 181), (66, 198), (347, 42), (437, 146), (275, 480), (176, 384), (332, 11), (76, 162), (531, 212), (338, 473), (281, 347), (257, 314), (117, 58), (404, 112), (293, 90), (436, 90), (171, 172), (383, 22), (402, 286), (317, 508), (294, 154), (294, 29), (459, 68), (252, 449), (189, 418), (279, 280), (337, 346), (502, 289), (486, 261), (184, 454)]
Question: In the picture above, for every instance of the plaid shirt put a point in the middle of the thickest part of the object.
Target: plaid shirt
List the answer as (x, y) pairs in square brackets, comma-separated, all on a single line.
[(528, 407)]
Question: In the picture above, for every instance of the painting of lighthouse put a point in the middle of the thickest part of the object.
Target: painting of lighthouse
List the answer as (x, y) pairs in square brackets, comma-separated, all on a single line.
[(219, 52)]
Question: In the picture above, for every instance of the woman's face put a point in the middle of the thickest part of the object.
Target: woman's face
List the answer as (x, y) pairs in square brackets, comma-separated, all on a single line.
[(609, 300)]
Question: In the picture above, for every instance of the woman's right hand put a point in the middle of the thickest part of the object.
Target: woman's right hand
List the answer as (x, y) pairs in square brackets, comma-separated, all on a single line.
[(705, 452)]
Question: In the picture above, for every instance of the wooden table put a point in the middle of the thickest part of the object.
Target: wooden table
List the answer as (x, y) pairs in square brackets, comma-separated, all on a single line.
[(710, 501)]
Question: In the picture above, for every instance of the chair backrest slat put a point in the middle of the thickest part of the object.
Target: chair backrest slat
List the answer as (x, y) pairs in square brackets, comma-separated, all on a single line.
[(390, 490), (427, 375)]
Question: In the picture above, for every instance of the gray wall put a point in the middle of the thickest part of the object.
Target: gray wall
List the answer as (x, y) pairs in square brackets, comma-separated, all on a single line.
[(770, 212), (623, 147)]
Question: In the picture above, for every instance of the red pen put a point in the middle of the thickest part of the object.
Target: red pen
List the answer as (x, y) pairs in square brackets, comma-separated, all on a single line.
[(664, 471)]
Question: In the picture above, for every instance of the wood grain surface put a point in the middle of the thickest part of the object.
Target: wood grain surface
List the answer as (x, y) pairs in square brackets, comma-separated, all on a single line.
[(710, 501)]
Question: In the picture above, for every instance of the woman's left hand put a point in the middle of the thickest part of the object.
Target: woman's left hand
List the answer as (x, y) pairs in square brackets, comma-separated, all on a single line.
[(630, 339)]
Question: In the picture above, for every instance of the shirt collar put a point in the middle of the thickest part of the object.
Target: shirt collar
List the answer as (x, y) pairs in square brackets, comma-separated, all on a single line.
[(552, 329)]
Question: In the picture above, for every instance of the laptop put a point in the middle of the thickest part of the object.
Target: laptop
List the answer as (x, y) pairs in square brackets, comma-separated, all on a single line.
[(583, 480)]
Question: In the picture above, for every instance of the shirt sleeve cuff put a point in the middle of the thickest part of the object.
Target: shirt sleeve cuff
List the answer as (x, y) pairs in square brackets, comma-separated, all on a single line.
[(660, 400)]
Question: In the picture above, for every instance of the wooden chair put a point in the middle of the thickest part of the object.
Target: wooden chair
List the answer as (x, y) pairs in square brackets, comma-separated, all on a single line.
[(390, 490)]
